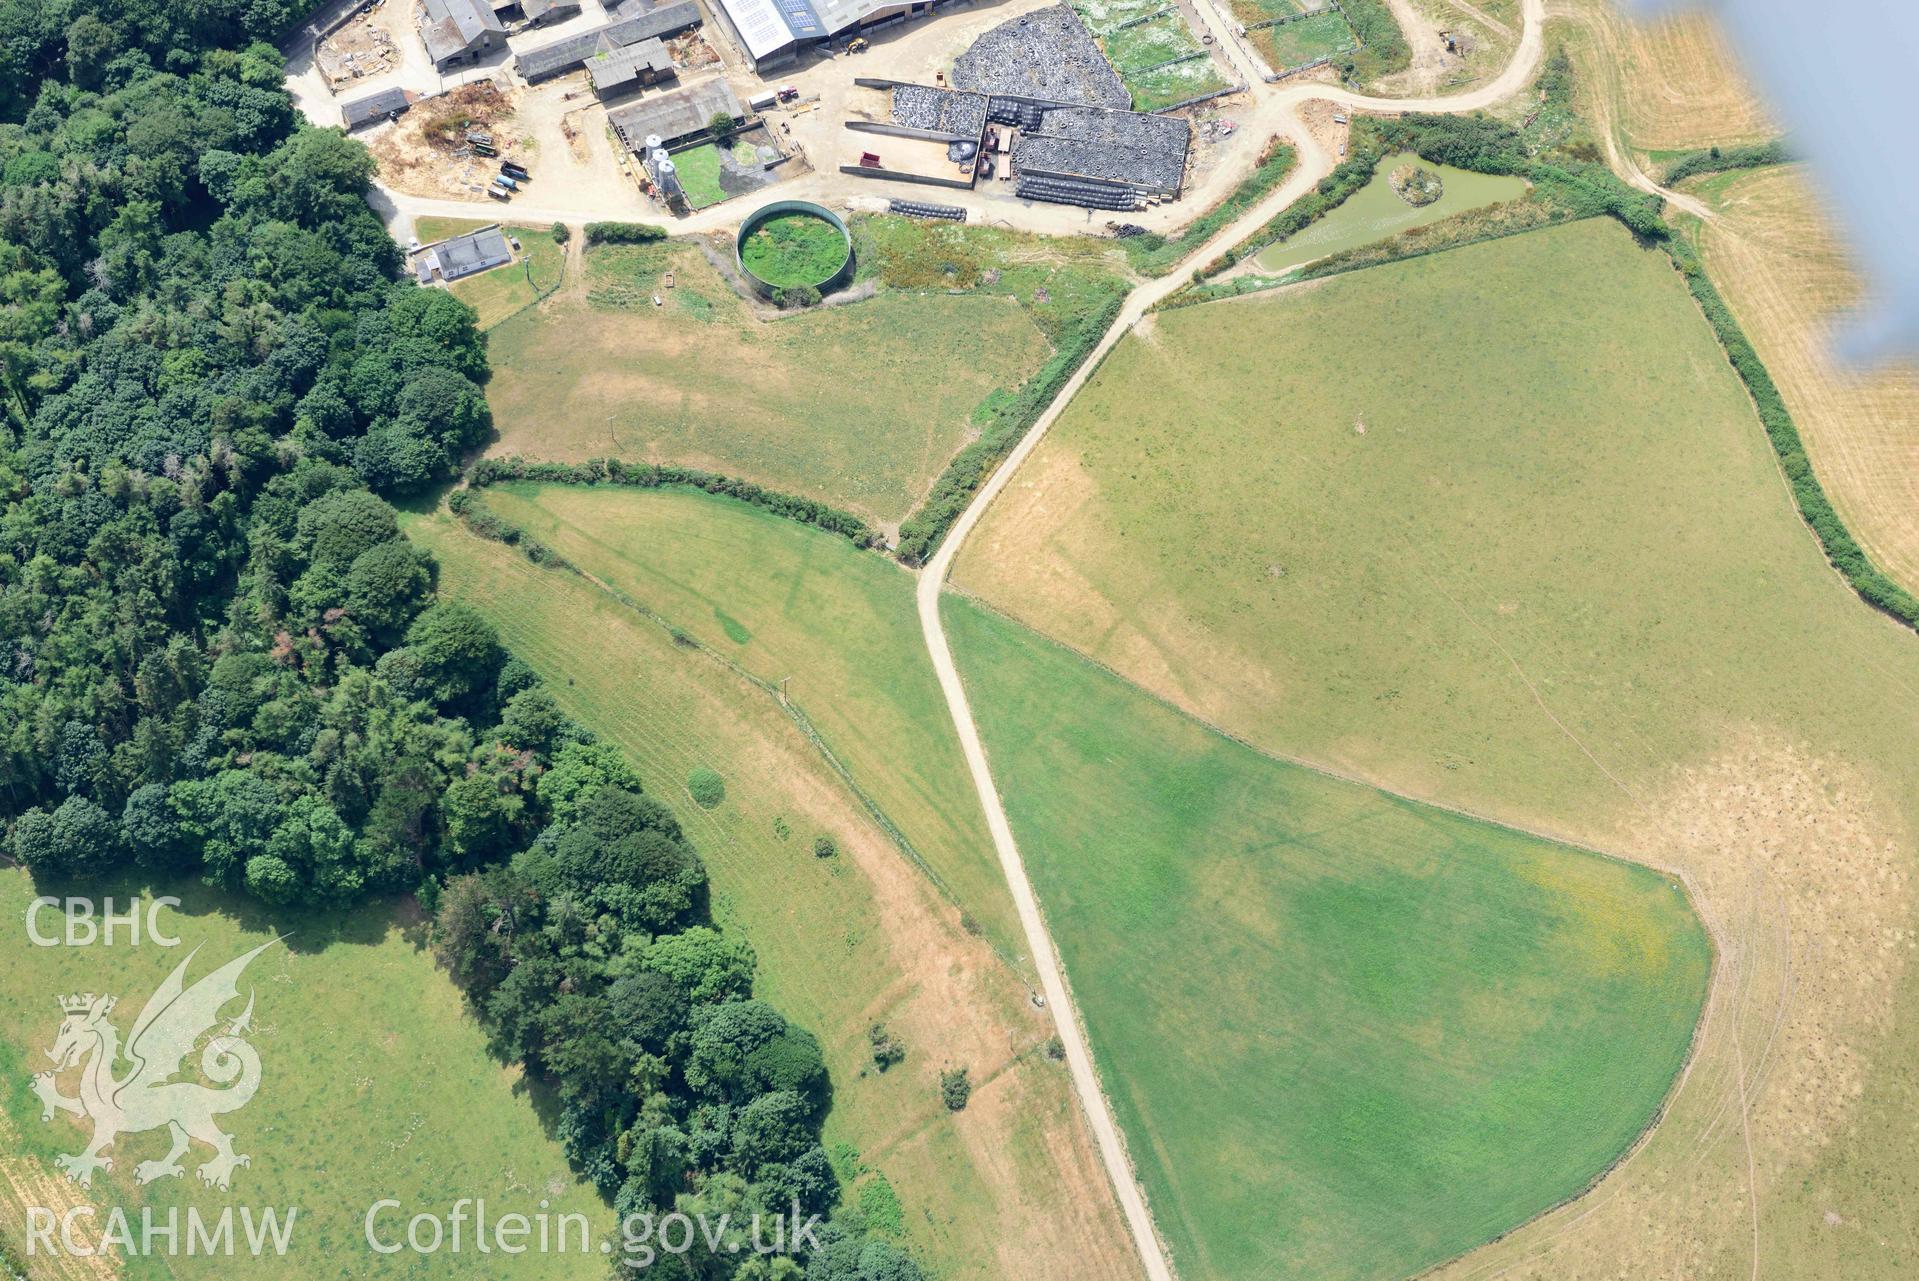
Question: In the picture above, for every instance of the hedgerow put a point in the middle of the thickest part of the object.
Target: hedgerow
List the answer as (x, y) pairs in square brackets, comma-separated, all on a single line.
[(1841, 549), (611, 471), (1006, 419), (1572, 188), (623, 233), (1719, 159), (484, 521)]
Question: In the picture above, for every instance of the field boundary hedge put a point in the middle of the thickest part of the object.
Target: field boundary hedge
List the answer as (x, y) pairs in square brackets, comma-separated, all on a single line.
[(1154, 255), (923, 531), (623, 233), (1719, 159), (611, 471), (1576, 190), (1844, 553), (471, 509), (486, 523), (1468, 227)]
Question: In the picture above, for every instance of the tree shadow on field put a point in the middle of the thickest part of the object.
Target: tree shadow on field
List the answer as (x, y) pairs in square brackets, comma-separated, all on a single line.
[(306, 931)]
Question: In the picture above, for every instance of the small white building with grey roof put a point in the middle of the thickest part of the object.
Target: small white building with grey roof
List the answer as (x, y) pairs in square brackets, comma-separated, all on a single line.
[(460, 256)]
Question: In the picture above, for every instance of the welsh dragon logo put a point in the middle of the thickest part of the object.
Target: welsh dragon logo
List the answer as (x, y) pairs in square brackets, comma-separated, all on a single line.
[(143, 1097)]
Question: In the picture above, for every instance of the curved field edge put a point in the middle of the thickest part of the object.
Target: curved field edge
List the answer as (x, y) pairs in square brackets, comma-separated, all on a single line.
[(1382, 1033), (1774, 256), (1541, 567), (844, 942)]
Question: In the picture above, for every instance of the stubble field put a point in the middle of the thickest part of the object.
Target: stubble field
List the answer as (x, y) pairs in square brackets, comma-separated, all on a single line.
[(1775, 256)]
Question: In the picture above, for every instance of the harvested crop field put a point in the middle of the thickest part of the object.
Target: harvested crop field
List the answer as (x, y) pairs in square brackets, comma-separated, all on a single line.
[(1673, 82), (1774, 254), (1503, 531), (1010, 1186), (1382, 1032), (859, 406)]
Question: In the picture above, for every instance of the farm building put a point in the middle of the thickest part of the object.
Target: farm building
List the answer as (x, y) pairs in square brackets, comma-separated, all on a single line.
[(373, 108), (773, 33), (458, 31), (676, 116), (635, 25), (621, 70), (540, 12), (461, 256)]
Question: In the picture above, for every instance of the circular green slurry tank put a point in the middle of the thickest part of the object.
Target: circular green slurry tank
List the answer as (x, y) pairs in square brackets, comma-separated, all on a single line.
[(790, 244)]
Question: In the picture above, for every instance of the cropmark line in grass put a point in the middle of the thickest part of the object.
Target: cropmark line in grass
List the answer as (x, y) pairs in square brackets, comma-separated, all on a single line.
[(1725, 979), (686, 640)]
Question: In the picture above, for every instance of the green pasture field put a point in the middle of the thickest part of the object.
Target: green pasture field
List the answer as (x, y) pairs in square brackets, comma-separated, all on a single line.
[(375, 1083), (1348, 1036), (788, 602), (1499, 527), (1149, 44), (1295, 44), (699, 173), (859, 406), (1548, 456), (1251, 11), (501, 292), (1161, 88), (840, 946)]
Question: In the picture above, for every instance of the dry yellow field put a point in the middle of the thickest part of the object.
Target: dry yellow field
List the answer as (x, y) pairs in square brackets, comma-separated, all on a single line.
[(1774, 256), (1674, 83)]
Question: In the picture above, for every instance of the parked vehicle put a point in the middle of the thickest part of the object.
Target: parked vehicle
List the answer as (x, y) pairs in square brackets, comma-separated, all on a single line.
[(499, 193), (506, 182), (514, 170)]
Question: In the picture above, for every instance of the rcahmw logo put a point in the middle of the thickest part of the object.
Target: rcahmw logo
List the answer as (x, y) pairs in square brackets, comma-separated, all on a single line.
[(145, 1096), (163, 1233)]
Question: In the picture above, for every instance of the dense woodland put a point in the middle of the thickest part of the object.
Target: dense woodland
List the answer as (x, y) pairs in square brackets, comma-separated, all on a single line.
[(223, 659)]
